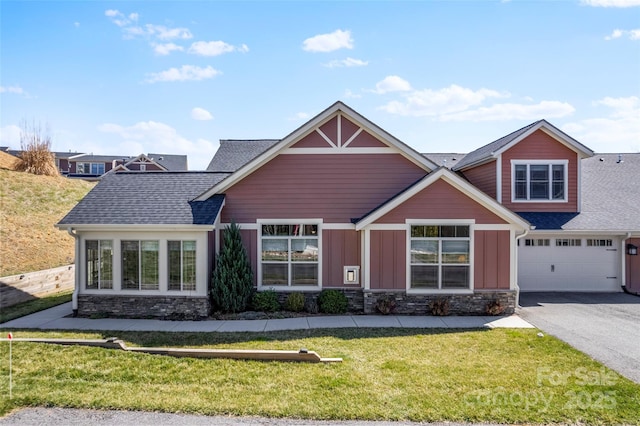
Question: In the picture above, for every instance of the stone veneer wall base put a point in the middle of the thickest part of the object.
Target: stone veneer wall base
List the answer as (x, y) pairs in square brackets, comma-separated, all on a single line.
[(158, 307)]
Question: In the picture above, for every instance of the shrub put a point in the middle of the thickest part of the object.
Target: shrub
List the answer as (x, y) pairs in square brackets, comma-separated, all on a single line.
[(439, 306), (311, 306), (295, 302), (232, 281), (266, 301), (494, 307), (385, 304), (332, 302), (36, 153)]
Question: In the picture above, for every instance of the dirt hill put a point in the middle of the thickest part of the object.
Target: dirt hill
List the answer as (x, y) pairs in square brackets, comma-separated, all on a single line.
[(30, 206), (8, 161)]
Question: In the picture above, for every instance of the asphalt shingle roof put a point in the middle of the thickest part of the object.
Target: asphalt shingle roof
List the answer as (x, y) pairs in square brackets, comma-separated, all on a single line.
[(163, 198), (610, 197), (447, 160), (233, 154), (171, 162), (486, 151)]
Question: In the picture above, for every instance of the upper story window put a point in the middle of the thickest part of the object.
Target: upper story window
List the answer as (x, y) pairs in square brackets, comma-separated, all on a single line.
[(539, 181)]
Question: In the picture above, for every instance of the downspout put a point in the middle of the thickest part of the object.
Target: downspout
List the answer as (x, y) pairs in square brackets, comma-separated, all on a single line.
[(518, 237), (624, 263), (74, 296)]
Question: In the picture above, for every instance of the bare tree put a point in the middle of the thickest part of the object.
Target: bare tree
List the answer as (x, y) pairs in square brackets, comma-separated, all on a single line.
[(35, 144)]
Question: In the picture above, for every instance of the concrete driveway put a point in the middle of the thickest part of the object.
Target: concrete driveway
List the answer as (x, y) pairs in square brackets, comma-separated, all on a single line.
[(605, 326)]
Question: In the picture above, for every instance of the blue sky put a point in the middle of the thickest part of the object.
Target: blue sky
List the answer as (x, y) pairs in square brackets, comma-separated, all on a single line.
[(126, 78)]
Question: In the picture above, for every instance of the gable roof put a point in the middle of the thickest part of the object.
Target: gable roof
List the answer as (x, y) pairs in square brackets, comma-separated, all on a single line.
[(171, 162), (233, 153), (497, 147), (308, 127), (610, 198), (444, 159), (455, 181), (147, 199)]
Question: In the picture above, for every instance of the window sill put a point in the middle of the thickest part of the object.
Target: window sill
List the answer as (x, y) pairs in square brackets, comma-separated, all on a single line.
[(439, 291)]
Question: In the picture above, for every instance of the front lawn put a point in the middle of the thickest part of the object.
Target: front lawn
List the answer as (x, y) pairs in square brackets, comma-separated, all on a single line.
[(502, 375)]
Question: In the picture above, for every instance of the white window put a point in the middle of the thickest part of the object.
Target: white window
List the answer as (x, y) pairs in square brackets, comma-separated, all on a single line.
[(539, 180), (99, 258), (599, 243), (289, 255), (568, 242), (536, 242), (440, 257), (182, 265), (140, 261)]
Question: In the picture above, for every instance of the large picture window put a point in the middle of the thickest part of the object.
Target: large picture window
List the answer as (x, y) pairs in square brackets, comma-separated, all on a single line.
[(99, 256), (289, 255), (540, 181), (182, 265), (440, 257), (140, 265)]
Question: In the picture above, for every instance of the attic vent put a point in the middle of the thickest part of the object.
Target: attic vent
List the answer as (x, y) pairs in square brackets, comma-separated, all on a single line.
[(620, 160), (160, 158)]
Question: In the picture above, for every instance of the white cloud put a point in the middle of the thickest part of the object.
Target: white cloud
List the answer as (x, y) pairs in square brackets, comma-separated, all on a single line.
[(10, 136), (184, 73), (348, 62), (631, 34), (610, 3), (215, 48), (392, 83), (131, 30), (165, 49), (329, 42), (201, 114), (617, 131), (17, 90), (513, 111), (118, 17), (448, 100), (163, 33), (348, 94), (152, 136)]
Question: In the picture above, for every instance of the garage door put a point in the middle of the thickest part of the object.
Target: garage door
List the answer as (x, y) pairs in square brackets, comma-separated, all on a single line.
[(547, 263)]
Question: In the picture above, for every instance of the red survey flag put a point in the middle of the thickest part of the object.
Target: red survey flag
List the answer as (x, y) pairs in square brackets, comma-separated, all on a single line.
[(10, 336)]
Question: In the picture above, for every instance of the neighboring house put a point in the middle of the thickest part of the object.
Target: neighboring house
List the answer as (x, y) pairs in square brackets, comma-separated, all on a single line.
[(93, 167), (340, 203), (61, 158)]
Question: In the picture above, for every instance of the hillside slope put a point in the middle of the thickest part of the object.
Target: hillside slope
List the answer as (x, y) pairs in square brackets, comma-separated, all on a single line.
[(29, 207)]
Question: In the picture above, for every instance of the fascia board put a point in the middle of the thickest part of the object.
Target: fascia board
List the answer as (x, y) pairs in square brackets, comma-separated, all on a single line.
[(133, 227), (457, 182)]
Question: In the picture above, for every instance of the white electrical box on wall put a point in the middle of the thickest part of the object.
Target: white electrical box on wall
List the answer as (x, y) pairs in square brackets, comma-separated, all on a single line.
[(351, 275)]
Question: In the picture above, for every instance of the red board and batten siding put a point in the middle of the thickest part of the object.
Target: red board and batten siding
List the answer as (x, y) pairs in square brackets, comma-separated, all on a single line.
[(483, 177), (340, 248), (540, 146), (388, 260), (440, 201), (335, 188), (491, 260)]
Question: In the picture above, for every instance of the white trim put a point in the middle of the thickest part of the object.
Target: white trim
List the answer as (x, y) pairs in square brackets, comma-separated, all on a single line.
[(343, 226), (134, 227), (315, 123), (339, 129), (387, 227), (556, 134), (458, 183), (549, 163), (340, 150), (499, 179), (443, 222), (366, 253), (325, 137), (579, 183), (352, 138), (493, 227)]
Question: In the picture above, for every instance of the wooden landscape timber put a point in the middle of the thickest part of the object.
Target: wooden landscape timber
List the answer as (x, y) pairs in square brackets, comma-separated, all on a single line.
[(302, 355)]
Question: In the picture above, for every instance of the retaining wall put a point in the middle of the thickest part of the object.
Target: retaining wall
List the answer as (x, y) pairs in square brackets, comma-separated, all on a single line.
[(16, 289)]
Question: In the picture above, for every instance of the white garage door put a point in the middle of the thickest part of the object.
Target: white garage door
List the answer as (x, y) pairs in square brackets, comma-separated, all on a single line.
[(548, 263)]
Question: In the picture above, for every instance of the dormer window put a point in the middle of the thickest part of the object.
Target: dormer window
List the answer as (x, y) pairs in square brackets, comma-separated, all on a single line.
[(539, 181)]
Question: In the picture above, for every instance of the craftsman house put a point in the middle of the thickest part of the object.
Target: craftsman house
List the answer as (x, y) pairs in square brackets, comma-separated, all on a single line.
[(340, 203)]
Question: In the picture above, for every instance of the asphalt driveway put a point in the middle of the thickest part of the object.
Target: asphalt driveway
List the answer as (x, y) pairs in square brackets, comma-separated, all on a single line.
[(605, 326)]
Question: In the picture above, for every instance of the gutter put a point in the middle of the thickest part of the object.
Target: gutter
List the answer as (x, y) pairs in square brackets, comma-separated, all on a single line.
[(624, 264), (76, 287)]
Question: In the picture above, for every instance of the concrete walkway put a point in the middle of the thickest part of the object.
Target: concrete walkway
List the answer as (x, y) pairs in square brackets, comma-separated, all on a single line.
[(58, 318)]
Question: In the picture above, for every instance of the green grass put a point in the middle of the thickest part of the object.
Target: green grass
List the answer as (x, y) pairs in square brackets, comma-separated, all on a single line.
[(31, 306), (502, 375)]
